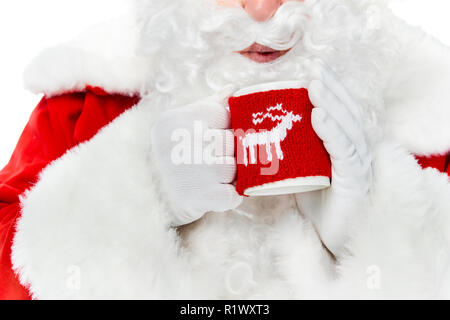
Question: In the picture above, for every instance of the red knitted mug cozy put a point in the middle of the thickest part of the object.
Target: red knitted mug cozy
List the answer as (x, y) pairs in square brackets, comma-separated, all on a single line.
[(273, 129)]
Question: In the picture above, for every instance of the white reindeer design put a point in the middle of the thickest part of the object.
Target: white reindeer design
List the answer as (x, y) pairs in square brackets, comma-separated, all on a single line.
[(269, 138)]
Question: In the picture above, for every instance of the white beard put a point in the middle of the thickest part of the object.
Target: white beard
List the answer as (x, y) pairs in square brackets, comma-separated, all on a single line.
[(193, 45)]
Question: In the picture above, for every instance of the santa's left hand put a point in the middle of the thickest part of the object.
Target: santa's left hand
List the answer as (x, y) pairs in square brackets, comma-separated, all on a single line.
[(337, 120)]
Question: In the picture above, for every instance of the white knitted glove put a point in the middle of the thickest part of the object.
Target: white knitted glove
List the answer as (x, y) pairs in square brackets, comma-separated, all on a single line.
[(337, 120), (203, 183)]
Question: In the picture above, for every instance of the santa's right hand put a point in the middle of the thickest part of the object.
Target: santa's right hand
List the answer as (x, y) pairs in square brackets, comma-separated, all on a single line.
[(193, 150)]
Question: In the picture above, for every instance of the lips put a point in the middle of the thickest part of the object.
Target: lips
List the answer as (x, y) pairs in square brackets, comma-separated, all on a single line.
[(262, 54)]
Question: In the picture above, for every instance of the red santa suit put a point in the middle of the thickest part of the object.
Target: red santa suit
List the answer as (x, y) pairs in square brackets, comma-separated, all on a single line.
[(80, 191), (56, 125)]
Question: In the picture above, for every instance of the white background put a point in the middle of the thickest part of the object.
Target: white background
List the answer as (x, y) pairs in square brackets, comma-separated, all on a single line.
[(28, 26)]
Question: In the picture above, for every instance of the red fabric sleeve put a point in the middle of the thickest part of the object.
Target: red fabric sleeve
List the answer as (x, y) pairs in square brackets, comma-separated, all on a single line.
[(56, 125), (440, 162), (448, 165)]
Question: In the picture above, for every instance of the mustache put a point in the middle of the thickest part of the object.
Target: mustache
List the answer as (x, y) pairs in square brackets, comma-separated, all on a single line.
[(233, 28)]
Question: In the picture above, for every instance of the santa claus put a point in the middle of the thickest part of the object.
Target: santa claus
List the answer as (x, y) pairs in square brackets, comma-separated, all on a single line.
[(93, 207)]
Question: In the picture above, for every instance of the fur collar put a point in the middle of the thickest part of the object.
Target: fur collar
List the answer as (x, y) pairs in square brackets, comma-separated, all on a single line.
[(102, 56)]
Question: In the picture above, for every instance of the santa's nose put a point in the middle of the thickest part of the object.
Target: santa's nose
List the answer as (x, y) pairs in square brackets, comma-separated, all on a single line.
[(261, 10)]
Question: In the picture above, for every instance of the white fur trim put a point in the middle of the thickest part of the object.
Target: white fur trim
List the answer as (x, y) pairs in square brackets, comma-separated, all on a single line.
[(103, 56), (95, 226), (418, 95), (100, 223), (401, 246)]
